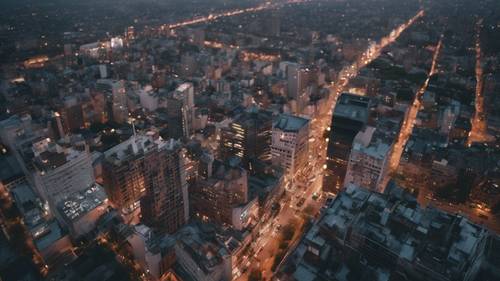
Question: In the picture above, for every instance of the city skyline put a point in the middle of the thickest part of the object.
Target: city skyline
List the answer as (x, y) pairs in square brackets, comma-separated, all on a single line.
[(249, 140)]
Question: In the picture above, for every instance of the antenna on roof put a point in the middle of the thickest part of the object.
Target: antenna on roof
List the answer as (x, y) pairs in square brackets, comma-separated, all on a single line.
[(134, 144), (133, 127)]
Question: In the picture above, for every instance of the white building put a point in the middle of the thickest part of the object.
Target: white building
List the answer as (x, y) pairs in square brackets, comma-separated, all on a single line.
[(368, 160), (149, 98), (289, 144), (120, 109), (81, 211), (60, 171), (142, 242), (185, 95)]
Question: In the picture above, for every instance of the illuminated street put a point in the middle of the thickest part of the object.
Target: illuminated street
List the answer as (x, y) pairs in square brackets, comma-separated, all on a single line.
[(411, 115), (317, 151), (478, 133), (214, 17), (249, 140)]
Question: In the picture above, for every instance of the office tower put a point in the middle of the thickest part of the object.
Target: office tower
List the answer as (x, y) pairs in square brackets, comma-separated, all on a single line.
[(248, 136), (368, 159), (349, 116), (119, 99), (60, 171), (147, 172), (165, 203), (180, 110), (123, 172), (72, 114), (298, 78), (223, 198), (289, 146)]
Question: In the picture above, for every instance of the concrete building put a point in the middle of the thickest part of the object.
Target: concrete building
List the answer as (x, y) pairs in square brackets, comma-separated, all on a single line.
[(198, 251), (248, 136), (180, 110), (123, 172), (80, 212), (146, 171), (165, 202), (120, 109), (368, 160), (149, 98), (50, 239), (371, 236), (154, 253), (289, 147), (349, 116), (60, 171), (224, 197)]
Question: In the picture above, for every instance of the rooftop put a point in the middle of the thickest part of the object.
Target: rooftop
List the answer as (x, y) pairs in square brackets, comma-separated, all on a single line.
[(352, 106), (137, 145), (290, 123), (366, 141), (442, 243), (77, 205)]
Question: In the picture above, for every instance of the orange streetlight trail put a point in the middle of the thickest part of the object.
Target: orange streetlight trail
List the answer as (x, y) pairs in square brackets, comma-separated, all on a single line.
[(322, 122), (372, 52), (411, 115), (213, 17), (479, 129)]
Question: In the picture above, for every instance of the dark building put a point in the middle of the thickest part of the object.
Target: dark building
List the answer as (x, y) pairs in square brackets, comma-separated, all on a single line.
[(349, 117), (223, 198), (175, 127), (164, 205), (122, 173), (146, 171), (248, 136)]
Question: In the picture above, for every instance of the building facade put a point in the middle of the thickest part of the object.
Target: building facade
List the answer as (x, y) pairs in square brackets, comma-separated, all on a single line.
[(368, 160), (165, 203), (349, 117), (248, 136), (289, 146)]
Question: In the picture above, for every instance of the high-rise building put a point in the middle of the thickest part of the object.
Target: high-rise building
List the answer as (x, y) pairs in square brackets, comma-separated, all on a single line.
[(72, 114), (123, 173), (165, 203), (180, 109), (224, 198), (147, 171), (290, 142), (248, 136), (349, 116), (298, 78), (119, 99), (368, 160), (60, 171)]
